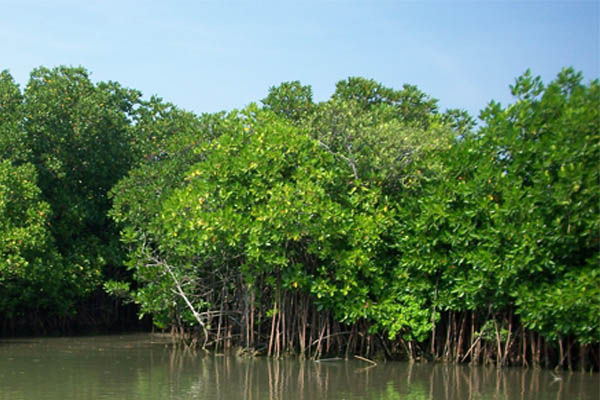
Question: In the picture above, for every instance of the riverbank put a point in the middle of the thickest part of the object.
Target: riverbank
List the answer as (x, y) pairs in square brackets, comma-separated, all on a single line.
[(151, 367)]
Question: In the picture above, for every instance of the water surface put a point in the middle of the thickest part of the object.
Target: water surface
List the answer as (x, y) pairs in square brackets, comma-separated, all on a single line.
[(145, 366)]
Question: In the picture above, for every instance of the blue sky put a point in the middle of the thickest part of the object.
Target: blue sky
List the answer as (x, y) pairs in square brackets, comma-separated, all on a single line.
[(207, 56)]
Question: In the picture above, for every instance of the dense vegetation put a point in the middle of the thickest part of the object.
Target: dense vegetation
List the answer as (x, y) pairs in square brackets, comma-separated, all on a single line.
[(371, 223)]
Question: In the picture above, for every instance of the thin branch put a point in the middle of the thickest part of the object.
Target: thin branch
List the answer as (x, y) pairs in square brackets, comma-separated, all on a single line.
[(365, 360), (197, 316), (329, 336), (348, 160)]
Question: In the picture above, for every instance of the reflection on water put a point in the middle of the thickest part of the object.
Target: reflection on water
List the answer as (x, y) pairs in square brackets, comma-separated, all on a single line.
[(151, 367)]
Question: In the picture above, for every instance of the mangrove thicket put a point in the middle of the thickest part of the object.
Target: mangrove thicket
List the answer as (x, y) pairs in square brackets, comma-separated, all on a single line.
[(371, 224)]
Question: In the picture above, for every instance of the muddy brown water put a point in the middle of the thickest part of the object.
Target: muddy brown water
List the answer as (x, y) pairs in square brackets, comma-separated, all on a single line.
[(146, 366)]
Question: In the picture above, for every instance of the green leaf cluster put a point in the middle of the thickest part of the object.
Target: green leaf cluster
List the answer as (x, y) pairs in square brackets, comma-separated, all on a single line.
[(31, 270), (512, 221), (72, 140)]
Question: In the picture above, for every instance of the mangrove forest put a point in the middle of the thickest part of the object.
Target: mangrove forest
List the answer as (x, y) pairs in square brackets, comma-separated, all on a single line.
[(372, 224)]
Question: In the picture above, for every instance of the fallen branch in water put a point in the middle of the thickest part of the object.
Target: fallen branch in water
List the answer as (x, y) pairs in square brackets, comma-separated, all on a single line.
[(365, 360)]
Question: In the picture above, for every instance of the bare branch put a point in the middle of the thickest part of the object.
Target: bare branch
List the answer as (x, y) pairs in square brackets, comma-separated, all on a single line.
[(182, 294)]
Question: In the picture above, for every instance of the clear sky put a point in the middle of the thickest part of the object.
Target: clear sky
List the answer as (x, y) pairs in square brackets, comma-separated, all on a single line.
[(207, 56)]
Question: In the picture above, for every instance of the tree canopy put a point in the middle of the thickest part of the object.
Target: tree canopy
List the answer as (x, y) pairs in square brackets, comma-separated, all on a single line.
[(369, 222)]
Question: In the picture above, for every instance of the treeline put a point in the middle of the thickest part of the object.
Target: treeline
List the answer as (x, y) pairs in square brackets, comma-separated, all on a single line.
[(64, 142), (371, 223)]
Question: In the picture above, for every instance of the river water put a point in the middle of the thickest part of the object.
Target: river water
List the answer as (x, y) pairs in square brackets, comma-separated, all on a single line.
[(146, 366)]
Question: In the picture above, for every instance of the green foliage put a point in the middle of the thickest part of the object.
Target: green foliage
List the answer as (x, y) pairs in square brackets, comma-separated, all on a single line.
[(552, 157), (31, 271), (78, 133), (79, 138), (411, 106), (375, 143), (512, 220), (459, 120), (177, 140), (290, 100), (167, 141), (372, 206), (568, 306), (235, 208), (270, 205), (12, 140)]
